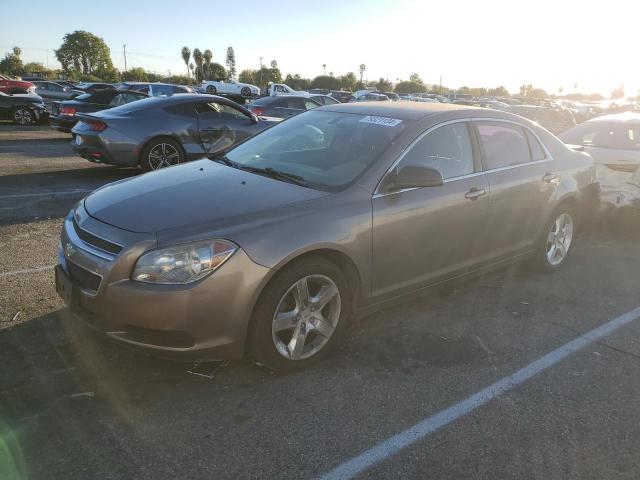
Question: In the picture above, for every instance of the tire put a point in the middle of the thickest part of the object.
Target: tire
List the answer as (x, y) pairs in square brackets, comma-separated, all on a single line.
[(272, 343), (211, 90), (160, 153), (552, 250), (245, 92), (23, 116)]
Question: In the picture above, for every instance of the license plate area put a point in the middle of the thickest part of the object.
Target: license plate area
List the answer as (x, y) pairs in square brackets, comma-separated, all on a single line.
[(64, 286)]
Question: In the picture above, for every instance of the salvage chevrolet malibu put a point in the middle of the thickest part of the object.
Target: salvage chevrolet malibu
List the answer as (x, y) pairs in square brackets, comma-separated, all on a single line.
[(270, 248)]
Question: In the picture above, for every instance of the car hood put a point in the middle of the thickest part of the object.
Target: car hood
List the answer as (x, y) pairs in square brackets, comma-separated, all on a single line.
[(200, 192)]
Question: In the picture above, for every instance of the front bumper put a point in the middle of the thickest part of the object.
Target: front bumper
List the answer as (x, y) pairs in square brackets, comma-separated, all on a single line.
[(206, 320)]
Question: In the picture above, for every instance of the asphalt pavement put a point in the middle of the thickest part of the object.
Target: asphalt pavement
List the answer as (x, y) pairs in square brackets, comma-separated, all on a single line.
[(74, 406)]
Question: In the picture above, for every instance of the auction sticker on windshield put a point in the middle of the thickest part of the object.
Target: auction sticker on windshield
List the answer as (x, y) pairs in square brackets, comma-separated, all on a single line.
[(387, 122)]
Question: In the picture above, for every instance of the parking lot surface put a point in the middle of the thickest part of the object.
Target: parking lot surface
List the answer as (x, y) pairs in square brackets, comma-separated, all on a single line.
[(75, 406)]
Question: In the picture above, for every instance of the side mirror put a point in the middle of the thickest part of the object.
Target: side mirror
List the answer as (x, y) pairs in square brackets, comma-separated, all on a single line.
[(411, 176), (254, 118)]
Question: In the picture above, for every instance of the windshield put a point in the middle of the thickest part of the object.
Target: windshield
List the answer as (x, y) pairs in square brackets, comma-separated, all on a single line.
[(329, 150)]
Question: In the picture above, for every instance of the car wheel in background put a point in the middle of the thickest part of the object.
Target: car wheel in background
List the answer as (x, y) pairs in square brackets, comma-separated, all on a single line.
[(211, 90), (555, 243), (23, 116), (301, 315), (245, 92), (160, 153)]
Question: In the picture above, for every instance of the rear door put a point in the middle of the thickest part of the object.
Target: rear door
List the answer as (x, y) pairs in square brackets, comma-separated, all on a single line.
[(421, 235), (522, 178), (221, 125)]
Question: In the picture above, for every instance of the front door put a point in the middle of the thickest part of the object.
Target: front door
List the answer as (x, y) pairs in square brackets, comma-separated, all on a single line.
[(220, 126), (425, 234)]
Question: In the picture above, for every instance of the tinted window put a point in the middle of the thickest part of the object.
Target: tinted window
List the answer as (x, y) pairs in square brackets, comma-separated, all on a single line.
[(447, 149), (123, 99), (220, 110), (537, 152), (100, 97), (503, 144), (328, 149)]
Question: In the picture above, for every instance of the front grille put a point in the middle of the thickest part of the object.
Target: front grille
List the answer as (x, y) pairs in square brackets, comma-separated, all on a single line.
[(96, 241), (84, 278)]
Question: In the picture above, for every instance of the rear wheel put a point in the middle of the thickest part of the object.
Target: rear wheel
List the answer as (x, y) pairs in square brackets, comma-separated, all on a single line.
[(245, 92), (555, 244), (23, 116), (161, 153), (211, 90), (301, 315)]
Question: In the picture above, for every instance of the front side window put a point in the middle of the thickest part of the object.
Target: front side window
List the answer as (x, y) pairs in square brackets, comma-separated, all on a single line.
[(446, 149), (329, 150), (219, 110), (503, 144), (310, 105)]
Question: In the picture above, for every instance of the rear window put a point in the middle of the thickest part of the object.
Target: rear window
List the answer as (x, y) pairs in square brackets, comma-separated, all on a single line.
[(99, 97)]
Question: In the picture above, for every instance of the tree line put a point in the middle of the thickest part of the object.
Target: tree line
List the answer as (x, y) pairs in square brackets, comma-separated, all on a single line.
[(86, 57)]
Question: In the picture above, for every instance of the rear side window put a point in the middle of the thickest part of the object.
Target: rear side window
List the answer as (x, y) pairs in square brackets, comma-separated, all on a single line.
[(503, 144), (537, 152), (447, 149), (309, 105)]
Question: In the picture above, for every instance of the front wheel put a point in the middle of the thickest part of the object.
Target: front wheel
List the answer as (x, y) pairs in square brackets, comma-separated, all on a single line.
[(245, 92), (301, 315), (211, 90), (161, 153), (556, 241), (23, 116)]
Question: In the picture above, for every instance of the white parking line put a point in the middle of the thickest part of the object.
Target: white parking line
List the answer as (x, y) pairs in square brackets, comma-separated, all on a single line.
[(422, 429), (27, 270), (44, 194)]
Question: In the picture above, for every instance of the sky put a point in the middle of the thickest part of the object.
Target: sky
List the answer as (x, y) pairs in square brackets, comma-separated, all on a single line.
[(551, 44)]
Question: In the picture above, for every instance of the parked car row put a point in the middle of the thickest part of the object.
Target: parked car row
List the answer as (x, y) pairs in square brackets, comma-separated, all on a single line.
[(23, 109)]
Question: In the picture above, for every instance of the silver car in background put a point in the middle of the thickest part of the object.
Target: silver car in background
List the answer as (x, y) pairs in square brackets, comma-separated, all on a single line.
[(270, 249), (614, 143)]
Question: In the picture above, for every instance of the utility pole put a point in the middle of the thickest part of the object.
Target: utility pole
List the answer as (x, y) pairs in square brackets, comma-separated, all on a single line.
[(440, 84), (124, 52), (260, 62)]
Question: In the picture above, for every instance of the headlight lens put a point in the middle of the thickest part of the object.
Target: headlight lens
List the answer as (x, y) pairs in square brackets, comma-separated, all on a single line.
[(184, 263)]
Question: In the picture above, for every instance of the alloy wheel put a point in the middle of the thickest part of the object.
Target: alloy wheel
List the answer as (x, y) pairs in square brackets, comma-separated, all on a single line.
[(559, 239), (163, 155), (22, 116), (306, 317)]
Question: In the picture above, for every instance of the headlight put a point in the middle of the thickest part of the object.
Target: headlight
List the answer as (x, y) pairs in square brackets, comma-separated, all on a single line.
[(184, 263)]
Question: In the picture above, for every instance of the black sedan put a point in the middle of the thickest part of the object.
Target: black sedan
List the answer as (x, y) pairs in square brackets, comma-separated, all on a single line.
[(159, 132), (63, 114), (282, 106), (23, 109)]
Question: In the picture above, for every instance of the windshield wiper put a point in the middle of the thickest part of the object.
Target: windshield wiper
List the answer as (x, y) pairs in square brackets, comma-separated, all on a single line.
[(223, 160), (277, 174)]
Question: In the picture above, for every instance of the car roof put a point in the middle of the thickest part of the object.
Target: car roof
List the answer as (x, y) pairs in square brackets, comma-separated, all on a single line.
[(399, 110), (626, 117)]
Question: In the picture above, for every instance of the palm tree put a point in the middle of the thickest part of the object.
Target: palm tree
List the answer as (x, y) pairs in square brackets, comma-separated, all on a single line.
[(363, 67), (199, 59), (17, 51), (186, 55), (324, 68), (208, 55)]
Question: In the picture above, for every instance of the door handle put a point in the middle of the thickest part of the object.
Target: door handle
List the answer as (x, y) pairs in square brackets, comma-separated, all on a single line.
[(550, 178), (475, 193)]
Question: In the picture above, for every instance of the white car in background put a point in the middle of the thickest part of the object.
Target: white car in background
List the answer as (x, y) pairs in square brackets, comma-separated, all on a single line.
[(614, 143), (229, 87)]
